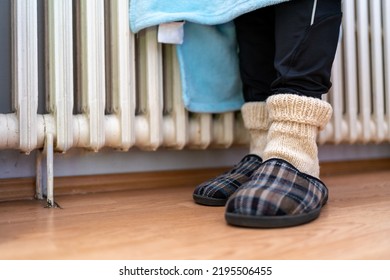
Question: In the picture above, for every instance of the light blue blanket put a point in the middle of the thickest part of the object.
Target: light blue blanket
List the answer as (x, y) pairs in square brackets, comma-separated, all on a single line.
[(208, 57)]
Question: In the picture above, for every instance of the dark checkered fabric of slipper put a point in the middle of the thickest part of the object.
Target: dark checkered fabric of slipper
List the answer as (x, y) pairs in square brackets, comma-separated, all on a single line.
[(215, 192), (277, 195)]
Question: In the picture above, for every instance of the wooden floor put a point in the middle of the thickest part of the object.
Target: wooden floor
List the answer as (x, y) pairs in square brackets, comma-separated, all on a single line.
[(164, 223)]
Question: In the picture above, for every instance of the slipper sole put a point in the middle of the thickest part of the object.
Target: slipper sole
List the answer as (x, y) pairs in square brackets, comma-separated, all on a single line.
[(209, 201), (271, 221)]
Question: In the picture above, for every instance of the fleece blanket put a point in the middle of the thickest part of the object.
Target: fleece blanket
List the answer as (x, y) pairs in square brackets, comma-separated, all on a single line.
[(208, 56)]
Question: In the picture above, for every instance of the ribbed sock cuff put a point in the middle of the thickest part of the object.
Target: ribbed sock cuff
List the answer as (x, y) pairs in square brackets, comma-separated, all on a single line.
[(255, 115), (300, 109)]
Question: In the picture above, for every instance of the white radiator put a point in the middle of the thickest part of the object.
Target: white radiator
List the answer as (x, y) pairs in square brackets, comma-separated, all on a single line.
[(106, 87), (361, 76)]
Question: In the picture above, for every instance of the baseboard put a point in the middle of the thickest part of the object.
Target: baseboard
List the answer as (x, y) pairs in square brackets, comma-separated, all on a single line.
[(24, 188), (335, 168)]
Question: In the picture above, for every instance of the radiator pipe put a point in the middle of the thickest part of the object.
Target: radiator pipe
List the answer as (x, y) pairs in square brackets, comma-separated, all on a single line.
[(203, 132)]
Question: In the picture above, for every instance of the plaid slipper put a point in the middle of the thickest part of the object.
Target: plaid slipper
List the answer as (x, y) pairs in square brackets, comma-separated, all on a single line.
[(215, 192), (278, 195)]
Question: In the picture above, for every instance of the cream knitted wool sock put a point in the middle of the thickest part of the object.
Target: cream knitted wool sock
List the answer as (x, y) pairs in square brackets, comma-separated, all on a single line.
[(255, 116), (295, 123)]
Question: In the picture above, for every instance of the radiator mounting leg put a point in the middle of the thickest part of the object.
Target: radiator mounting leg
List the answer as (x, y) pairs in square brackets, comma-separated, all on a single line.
[(45, 178), (38, 179)]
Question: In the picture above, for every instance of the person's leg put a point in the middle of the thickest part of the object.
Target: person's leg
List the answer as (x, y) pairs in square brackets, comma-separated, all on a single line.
[(285, 190), (255, 36), (256, 41), (306, 33)]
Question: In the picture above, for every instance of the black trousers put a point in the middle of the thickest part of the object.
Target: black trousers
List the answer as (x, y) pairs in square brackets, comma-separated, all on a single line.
[(288, 48)]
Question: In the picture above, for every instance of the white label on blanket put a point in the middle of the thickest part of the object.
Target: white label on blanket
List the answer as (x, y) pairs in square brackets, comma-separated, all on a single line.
[(171, 32)]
